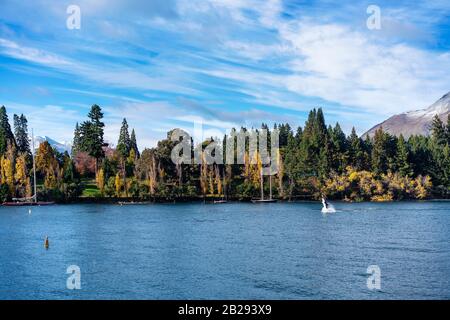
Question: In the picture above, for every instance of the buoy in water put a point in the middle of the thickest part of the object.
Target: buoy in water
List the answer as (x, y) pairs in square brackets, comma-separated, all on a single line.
[(46, 243), (29, 211)]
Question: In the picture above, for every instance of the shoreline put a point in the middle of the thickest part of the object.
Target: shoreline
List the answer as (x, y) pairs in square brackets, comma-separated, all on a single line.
[(131, 201)]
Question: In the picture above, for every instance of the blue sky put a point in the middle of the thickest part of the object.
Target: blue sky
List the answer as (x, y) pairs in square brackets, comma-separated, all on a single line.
[(230, 63)]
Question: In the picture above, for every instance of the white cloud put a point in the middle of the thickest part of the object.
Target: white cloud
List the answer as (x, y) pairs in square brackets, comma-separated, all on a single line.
[(12, 49), (113, 75), (246, 47), (350, 68)]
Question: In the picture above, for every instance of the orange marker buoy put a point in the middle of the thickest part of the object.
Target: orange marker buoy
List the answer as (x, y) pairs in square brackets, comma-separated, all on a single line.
[(46, 243)]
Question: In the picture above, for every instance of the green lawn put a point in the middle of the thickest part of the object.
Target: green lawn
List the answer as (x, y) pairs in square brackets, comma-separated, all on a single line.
[(90, 189)]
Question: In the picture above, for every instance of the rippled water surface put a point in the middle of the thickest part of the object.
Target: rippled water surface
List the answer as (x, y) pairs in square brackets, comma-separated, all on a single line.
[(226, 251)]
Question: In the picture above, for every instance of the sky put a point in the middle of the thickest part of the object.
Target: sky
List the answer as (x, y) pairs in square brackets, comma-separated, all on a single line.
[(164, 64)]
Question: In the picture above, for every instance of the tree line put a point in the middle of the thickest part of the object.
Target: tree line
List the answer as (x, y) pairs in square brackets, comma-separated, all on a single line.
[(312, 160)]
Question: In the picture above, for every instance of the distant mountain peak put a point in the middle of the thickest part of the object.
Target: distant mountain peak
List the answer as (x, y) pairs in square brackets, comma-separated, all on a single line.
[(59, 146), (415, 122)]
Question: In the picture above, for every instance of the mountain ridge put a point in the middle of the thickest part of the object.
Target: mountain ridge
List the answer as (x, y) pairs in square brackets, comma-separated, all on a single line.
[(59, 146), (417, 122)]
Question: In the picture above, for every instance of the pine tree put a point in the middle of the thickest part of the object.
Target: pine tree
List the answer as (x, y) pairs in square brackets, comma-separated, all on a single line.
[(307, 157), (339, 154), (123, 148), (6, 135), (445, 165), (284, 131), (21, 134), (314, 146), (96, 116), (402, 158), (438, 131), (124, 143), (379, 161), (133, 143), (92, 133), (70, 172), (357, 156), (448, 129), (76, 145), (437, 146)]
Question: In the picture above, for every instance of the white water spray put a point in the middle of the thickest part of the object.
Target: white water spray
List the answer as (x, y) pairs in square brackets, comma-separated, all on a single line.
[(327, 207)]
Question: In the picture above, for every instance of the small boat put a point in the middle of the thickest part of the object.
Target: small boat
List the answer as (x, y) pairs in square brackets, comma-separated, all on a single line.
[(220, 201), (27, 203), (129, 203), (264, 200)]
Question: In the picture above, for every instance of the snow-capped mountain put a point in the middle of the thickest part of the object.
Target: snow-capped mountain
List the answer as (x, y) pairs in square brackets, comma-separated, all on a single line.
[(60, 146), (415, 122)]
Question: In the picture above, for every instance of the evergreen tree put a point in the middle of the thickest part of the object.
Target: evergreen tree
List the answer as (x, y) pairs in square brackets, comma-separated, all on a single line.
[(379, 161), (284, 130), (124, 143), (133, 143), (402, 158), (420, 155), (448, 129), (438, 131), (91, 135), (445, 165), (21, 134), (95, 147), (339, 154), (356, 155), (298, 135), (291, 160), (70, 173), (312, 150), (384, 150), (6, 135), (76, 145)]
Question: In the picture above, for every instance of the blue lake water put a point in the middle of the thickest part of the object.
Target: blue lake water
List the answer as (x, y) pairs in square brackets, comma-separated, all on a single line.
[(226, 251)]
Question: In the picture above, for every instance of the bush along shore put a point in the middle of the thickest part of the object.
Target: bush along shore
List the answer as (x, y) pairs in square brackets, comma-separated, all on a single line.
[(312, 160)]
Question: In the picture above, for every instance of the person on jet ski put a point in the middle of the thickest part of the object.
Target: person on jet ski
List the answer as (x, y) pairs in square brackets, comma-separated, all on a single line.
[(324, 202)]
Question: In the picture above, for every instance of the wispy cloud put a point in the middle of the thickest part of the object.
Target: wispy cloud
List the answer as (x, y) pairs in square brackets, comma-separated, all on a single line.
[(226, 62)]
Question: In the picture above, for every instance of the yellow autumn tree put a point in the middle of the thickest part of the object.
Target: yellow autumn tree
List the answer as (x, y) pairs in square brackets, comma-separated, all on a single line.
[(28, 189), (47, 164), (211, 181), (8, 173), (50, 181), (247, 168), (256, 169), (101, 180), (204, 175), (422, 187), (280, 173), (118, 185), (20, 176), (132, 157), (218, 181), (152, 175)]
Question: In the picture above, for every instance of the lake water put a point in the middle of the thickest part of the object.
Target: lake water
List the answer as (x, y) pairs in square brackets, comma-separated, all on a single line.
[(226, 251)]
